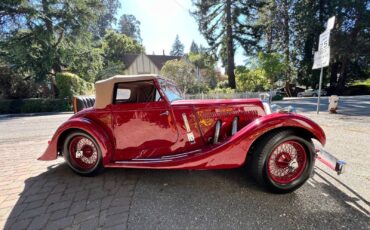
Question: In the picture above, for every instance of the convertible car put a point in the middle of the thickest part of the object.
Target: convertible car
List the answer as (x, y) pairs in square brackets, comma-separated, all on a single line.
[(142, 121)]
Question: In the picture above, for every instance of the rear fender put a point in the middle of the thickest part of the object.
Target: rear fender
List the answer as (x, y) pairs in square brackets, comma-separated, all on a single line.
[(82, 124)]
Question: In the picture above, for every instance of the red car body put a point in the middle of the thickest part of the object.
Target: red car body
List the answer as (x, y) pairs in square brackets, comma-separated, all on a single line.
[(138, 135), (142, 122)]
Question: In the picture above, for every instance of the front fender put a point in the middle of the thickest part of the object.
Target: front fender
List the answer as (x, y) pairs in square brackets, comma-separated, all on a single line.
[(273, 121), (86, 125), (233, 152)]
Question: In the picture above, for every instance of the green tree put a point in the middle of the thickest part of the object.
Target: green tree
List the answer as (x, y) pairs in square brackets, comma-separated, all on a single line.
[(308, 24), (130, 26), (115, 45), (177, 47), (349, 43), (205, 63), (181, 72), (35, 35), (194, 48), (106, 18), (254, 80), (226, 24), (273, 66)]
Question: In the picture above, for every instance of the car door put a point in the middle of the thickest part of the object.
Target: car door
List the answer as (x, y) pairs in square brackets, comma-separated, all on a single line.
[(143, 124)]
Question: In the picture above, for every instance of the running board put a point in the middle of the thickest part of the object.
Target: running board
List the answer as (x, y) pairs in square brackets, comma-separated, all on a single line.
[(163, 159), (330, 161)]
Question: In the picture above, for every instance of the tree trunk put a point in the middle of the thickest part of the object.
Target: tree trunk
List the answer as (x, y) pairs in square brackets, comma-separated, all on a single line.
[(230, 46), (286, 38), (343, 77), (333, 76)]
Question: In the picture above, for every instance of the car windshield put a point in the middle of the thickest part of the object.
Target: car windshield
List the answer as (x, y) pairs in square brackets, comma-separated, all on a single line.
[(171, 91)]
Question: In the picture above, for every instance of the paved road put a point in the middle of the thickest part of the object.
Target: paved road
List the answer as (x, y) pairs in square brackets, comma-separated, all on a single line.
[(349, 105), (48, 195)]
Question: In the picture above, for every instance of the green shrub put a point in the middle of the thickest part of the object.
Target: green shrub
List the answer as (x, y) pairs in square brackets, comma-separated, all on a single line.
[(362, 82), (70, 85), (34, 105), (221, 91), (14, 85)]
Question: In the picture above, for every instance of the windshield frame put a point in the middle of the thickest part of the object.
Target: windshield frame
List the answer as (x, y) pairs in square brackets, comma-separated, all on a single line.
[(173, 94)]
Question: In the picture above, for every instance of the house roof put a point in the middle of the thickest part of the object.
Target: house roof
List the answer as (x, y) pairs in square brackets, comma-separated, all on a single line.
[(128, 59), (158, 60)]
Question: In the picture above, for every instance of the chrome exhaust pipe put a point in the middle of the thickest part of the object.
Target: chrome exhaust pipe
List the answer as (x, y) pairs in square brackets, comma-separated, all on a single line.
[(217, 132), (234, 127)]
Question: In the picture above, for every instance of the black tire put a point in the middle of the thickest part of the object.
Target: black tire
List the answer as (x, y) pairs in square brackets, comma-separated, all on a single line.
[(261, 158), (93, 168), (314, 95)]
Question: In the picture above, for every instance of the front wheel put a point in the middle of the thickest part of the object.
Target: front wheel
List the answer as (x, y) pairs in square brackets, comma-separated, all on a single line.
[(82, 153), (283, 161)]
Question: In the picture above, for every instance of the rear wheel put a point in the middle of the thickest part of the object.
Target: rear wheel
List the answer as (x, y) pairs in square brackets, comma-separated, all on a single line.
[(82, 153), (282, 161)]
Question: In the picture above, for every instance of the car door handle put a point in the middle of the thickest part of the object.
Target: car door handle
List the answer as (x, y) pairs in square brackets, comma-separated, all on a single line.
[(166, 113)]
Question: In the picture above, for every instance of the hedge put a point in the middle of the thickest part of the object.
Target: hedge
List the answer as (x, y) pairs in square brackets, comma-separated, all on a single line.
[(70, 85), (34, 105)]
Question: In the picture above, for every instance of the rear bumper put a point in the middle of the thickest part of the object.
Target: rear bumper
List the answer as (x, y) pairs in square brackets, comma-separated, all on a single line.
[(330, 161)]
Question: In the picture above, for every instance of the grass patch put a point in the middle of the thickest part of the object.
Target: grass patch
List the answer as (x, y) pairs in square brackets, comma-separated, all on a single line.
[(362, 82)]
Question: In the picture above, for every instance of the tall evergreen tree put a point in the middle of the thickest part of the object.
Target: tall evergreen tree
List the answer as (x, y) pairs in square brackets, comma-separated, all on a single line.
[(177, 47), (106, 17), (226, 25), (194, 48), (130, 26)]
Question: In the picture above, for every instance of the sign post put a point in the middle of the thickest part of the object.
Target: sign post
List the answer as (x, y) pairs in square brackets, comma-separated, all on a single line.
[(322, 56)]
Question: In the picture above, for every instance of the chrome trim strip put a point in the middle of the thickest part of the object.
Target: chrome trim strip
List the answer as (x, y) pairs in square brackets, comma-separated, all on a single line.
[(187, 126), (234, 128), (217, 132)]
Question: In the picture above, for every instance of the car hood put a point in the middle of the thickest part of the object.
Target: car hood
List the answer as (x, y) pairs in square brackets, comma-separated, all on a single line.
[(213, 102)]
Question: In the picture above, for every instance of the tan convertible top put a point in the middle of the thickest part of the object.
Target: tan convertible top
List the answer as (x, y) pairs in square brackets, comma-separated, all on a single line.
[(104, 88)]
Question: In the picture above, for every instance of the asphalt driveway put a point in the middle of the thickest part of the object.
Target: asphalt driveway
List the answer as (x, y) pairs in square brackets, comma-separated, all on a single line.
[(35, 195)]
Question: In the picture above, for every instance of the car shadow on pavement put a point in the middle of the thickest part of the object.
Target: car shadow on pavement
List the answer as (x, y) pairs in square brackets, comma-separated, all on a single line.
[(164, 199), (351, 197), (230, 199), (58, 198)]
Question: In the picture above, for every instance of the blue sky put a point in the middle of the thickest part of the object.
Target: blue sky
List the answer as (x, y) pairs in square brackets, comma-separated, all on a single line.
[(161, 20)]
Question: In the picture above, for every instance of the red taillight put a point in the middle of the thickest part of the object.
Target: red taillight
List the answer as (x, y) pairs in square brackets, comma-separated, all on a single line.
[(49, 142)]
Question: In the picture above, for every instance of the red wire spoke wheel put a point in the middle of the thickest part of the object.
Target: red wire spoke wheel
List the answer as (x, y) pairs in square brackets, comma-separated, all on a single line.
[(283, 161), (82, 153), (287, 162)]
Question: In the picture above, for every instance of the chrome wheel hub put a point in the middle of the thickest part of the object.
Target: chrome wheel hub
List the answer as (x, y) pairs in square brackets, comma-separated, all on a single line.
[(293, 165), (86, 151)]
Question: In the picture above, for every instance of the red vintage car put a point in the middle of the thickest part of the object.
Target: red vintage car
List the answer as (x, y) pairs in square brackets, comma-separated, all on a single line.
[(143, 121)]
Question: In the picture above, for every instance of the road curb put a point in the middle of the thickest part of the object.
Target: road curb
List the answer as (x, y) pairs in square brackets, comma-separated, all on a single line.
[(33, 114)]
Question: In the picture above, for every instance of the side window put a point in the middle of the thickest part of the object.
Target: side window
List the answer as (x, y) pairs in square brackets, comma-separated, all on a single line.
[(123, 94), (136, 92)]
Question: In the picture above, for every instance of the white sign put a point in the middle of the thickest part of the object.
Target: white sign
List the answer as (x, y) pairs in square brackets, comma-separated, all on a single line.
[(330, 24), (324, 40), (321, 58)]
